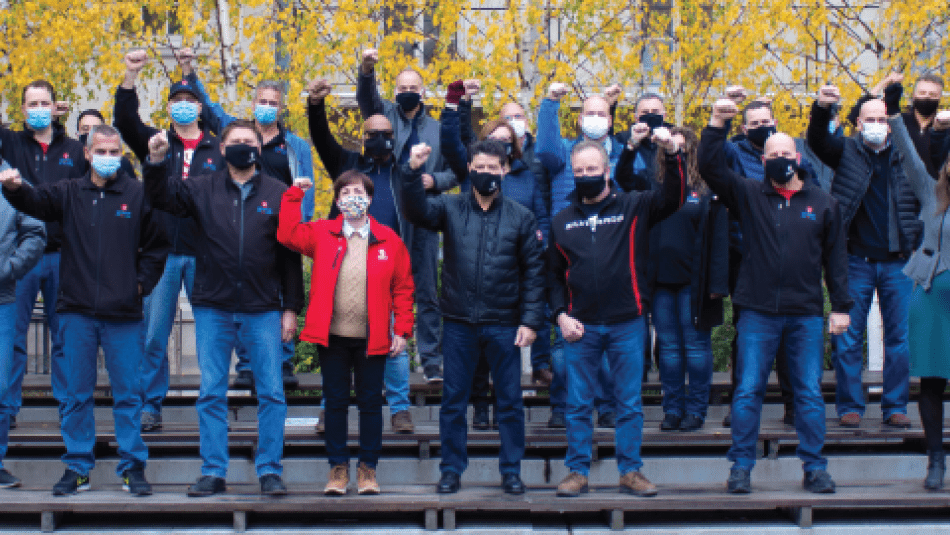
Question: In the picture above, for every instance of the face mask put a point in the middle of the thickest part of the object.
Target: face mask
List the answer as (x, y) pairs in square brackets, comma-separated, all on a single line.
[(485, 183), (874, 133), (265, 115), (39, 118), (519, 126), (780, 170), (926, 107), (184, 112), (408, 101), (83, 138), (106, 166), (653, 120), (589, 187), (353, 206), (241, 156), (377, 147), (759, 134), (595, 127), (832, 128)]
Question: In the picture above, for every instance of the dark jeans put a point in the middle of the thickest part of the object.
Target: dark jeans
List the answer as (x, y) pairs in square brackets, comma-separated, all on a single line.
[(684, 350), (781, 365), (463, 344), (339, 361), (424, 254)]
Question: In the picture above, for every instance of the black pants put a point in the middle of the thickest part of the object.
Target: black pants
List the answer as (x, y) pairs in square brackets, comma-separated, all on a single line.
[(930, 405)]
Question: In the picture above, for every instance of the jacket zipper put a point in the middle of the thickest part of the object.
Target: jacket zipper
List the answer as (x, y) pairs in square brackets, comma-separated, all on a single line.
[(481, 251), (783, 222), (97, 223)]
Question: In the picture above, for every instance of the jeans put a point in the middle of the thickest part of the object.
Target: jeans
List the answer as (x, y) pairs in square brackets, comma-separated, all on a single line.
[(7, 334), (623, 345), (160, 308), (121, 342), (604, 400), (684, 350), (463, 343), (338, 360), (894, 290), (396, 380), (424, 254), (759, 337), (44, 277), (217, 333)]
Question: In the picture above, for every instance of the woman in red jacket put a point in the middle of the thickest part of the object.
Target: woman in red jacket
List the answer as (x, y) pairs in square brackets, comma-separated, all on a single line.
[(360, 312)]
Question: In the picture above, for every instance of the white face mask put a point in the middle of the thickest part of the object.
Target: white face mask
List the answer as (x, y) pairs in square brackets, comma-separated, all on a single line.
[(874, 133), (519, 126), (595, 127)]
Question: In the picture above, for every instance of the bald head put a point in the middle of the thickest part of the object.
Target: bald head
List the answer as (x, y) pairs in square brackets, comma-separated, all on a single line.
[(780, 144), (596, 106), (409, 81), (377, 123)]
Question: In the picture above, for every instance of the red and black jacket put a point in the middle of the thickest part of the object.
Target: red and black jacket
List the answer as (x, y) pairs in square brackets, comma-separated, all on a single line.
[(598, 265)]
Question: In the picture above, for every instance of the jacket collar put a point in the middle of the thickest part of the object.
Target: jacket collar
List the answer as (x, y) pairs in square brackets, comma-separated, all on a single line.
[(255, 180), (495, 204), (117, 184), (576, 201), (336, 228)]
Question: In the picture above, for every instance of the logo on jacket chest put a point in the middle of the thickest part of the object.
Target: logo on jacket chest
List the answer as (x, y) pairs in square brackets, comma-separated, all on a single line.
[(209, 165), (264, 209), (594, 221), (382, 255), (281, 149), (66, 160), (809, 214), (123, 212)]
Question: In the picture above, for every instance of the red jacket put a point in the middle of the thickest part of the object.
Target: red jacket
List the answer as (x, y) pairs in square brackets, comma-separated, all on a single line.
[(389, 284)]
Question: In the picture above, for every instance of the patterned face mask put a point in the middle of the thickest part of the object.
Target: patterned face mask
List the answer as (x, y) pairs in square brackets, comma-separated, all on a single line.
[(353, 206)]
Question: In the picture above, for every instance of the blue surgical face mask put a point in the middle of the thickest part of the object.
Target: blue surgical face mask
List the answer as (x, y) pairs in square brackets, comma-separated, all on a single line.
[(106, 166), (184, 112), (265, 115), (39, 118)]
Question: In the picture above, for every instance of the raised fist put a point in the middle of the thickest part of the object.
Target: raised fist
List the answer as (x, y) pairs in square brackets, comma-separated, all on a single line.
[(318, 90), (942, 120), (418, 155), (663, 138), (473, 87), (370, 58), (11, 179), (828, 95), (613, 94), (557, 90), (724, 110), (135, 60), (185, 57), (60, 108), (638, 133), (158, 147), (736, 93)]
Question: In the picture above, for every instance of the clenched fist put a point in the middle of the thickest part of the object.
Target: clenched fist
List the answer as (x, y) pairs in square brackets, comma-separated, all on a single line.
[(318, 90), (723, 110), (370, 59), (557, 90), (418, 155), (472, 87), (828, 95), (736, 93), (158, 147), (638, 133), (942, 120), (613, 94), (11, 179), (663, 138), (135, 60)]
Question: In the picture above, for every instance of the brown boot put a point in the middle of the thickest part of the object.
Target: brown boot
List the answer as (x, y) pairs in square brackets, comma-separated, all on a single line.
[(366, 480), (635, 483), (321, 425), (339, 479), (572, 485), (402, 422)]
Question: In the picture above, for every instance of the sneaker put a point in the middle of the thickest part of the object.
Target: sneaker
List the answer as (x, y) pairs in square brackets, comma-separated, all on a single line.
[(542, 377), (151, 422), (71, 483), (321, 425), (8, 480), (271, 485), (573, 485), (243, 381), (402, 422), (607, 420), (133, 482), (637, 484), (207, 486), (740, 481), (819, 482), (671, 422), (899, 420), (480, 419), (557, 421), (290, 380), (338, 480), (366, 480), (432, 374), (691, 423), (852, 419)]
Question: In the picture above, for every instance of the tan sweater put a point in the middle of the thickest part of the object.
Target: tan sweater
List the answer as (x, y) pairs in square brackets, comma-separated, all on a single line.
[(350, 311)]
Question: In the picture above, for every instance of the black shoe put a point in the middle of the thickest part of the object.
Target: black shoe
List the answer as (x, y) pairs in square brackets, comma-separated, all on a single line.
[(133, 482), (819, 482), (151, 422), (8, 480), (671, 422), (511, 483), (789, 418), (557, 421), (607, 420), (740, 481), (207, 486), (480, 420), (727, 421), (936, 467), (71, 483), (271, 485), (691, 423), (449, 483), (243, 381), (290, 380), (432, 374), (12, 422)]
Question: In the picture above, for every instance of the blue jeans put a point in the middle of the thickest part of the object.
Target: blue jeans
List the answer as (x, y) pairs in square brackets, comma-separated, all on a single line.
[(759, 338), (217, 333), (396, 381), (7, 334), (160, 308), (894, 290), (604, 400), (121, 342), (44, 277), (463, 344), (683, 350), (623, 345)]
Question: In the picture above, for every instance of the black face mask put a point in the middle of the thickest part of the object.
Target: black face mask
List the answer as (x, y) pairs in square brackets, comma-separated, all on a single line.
[(653, 120), (378, 147), (759, 134), (485, 183), (83, 138), (926, 107), (780, 170), (408, 101), (242, 156), (589, 187)]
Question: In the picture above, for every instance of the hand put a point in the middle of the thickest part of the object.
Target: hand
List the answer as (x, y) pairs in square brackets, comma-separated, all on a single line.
[(370, 59), (158, 147), (428, 182), (11, 179), (942, 120), (828, 95), (892, 77), (288, 326), (454, 92), (556, 91), (613, 94), (736, 93), (303, 182), (892, 96), (638, 133), (723, 111), (397, 346), (525, 336), (60, 108), (838, 322), (418, 155), (135, 60), (185, 56), (318, 90), (663, 138), (571, 329), (473, 87)]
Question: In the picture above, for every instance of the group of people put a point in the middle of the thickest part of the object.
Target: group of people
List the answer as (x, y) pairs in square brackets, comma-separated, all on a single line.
[(573, 247)]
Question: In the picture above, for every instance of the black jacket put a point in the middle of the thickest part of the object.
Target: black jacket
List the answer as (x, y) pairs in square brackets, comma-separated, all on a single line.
[(493, 271), (930, 143), (111, 243), (63, 159), (206, 159), (597, 269), (787, 243), (239, 265)]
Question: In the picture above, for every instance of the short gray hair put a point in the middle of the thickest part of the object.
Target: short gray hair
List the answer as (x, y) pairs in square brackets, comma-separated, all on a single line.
[(588, 144), (270, 84), (648, 96), (102, 130)]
